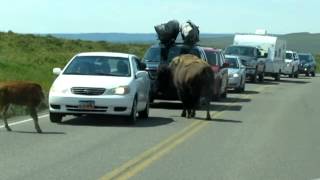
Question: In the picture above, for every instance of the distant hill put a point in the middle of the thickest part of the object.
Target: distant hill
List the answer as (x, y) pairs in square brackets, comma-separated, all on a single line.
[(301, 42)]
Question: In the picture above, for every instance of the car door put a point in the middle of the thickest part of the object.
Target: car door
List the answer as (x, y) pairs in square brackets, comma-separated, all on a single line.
[(141, 83), (223, 73)]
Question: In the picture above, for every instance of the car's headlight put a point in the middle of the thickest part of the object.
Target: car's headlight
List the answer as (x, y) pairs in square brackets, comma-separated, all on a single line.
[(236, 75), (121, 90), (56, 89)]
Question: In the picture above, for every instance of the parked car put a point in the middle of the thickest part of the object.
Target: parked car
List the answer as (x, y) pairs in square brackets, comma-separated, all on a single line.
[(307, 64), (160, 54), (100, 83), (250, 57), (236, 73), (291, 64), (216, 59)]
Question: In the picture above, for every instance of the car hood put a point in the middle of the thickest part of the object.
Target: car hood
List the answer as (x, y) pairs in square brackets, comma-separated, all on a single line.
[(288, 60), (69, 81), (233, 71), (247, 61)]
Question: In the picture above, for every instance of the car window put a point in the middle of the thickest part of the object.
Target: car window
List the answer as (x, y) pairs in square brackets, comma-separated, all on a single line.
[(212, 57), (305, 58), (157, 54), (238, 50), (289, 56), (99, 65), (233, 62)]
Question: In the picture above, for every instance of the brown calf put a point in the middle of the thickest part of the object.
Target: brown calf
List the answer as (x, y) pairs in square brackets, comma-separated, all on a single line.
[(21, 93)]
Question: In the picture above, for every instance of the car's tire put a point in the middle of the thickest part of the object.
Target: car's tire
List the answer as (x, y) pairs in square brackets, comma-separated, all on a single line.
[(296, 75), (277, 77), (290, 75), (55, 117), (224, 94), (132, 118), (313, 74), (261, 77), (145, 112), (307, 74), (253, 78)]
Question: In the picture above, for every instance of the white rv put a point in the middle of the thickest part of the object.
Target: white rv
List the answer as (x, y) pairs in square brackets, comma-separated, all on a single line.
[(272, 49)]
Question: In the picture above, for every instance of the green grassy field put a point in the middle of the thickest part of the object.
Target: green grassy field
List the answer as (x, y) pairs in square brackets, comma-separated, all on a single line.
[(31, 58)]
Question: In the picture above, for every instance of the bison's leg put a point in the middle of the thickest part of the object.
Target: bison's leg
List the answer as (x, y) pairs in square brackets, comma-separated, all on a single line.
[(208, 108), (33, 114), (4, 110)]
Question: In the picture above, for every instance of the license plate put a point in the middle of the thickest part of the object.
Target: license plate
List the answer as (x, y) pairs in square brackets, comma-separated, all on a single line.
[(87, 105)]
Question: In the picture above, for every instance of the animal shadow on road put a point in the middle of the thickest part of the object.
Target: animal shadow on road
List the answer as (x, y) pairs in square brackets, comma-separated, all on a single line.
[(178, 106), (219, 120), (115, 121)]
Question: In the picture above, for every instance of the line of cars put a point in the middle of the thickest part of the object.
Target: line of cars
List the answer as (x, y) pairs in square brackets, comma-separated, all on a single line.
[(123, 84)]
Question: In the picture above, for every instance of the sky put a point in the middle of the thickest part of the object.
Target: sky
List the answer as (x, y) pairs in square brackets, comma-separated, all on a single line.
[(140, 16)]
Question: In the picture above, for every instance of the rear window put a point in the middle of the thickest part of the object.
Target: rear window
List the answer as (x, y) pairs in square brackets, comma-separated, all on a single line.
[(99, 66), (233, 62), (212, 57), (305, 57), (158, 54), (239, 50), (289, 56)]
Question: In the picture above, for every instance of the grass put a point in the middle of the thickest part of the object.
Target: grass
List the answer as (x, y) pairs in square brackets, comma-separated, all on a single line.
[(32, 58)]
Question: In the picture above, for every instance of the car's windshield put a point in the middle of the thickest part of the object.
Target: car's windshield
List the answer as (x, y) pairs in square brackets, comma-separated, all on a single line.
[(242, 51), (99, 65), (289, 56), (233, 62), (305, 58), (156, 54)]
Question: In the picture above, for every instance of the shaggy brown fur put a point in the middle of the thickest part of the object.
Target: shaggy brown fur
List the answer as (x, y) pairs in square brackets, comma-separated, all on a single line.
[(193, 79), (21, 93)]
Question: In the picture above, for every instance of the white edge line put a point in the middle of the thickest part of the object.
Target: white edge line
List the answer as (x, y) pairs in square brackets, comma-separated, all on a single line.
[(24, 121)]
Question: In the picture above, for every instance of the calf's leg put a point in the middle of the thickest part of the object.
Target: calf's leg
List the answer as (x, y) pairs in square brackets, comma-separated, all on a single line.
[(4, 110), (33, 114)]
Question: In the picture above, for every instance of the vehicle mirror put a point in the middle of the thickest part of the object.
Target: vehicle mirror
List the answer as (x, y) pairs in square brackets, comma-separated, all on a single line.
[(242, 67), (56, 71), (140, 74)]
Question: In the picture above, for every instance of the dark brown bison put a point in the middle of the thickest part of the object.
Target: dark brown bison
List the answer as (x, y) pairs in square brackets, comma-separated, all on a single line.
[(193, 80), (21, 93)]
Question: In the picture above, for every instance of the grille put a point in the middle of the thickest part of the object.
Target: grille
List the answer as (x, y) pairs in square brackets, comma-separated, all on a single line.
[(87, 91)]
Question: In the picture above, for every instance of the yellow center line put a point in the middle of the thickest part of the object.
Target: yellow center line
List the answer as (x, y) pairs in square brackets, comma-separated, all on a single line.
[(145, 159)]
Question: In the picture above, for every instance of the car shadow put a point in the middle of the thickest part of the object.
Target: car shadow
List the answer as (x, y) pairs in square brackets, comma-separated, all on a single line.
[(115, 121), (246, 92), (234, 99), (43, 133), (293, 81), (178, 106)]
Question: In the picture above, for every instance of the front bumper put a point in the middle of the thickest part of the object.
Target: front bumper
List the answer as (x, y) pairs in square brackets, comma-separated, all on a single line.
[(105, 104), (233, 82), (250, 71)]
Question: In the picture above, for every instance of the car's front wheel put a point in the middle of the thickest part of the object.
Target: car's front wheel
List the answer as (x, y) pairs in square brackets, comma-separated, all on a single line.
[(55, 117), (145, 112), (132, 119)]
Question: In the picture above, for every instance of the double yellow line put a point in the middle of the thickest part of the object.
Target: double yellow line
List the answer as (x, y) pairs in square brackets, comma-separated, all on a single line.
[(145, 159)]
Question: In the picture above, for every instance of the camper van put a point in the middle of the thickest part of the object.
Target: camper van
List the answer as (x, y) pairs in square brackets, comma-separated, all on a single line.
[(272, 49)]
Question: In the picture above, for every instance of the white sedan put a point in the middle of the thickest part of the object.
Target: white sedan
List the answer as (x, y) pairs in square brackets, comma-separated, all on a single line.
[(100, 83)]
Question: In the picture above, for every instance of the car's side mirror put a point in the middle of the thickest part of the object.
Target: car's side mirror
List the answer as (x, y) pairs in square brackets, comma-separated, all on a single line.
[(242, 67), (56, 71), (140, 74)]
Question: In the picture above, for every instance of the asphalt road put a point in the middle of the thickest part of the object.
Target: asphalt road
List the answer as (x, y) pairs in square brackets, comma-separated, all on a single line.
[(269, 132)]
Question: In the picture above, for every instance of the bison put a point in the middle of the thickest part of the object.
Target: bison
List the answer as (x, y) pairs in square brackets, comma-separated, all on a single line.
[(193, 80), (21, 93)]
